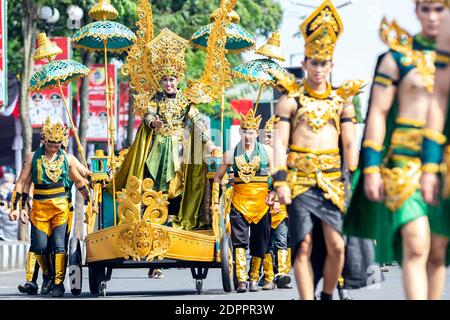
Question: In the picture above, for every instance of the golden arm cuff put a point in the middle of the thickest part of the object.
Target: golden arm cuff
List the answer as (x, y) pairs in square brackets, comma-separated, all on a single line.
[(435, 136), (431, 168), (370, 170), (277, 184), (372, 144)]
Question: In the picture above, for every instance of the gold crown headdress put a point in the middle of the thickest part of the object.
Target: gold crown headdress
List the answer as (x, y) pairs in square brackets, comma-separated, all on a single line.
[(270, 124), (321, 31), (167, 55), (53, 132), (249, 121)]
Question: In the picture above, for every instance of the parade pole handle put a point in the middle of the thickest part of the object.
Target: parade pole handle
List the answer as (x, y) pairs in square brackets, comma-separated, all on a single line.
[(261, 88), (74, 128), (110, 141)]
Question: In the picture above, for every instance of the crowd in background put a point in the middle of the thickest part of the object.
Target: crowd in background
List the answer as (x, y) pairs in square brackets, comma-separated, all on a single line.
[(8, 229)]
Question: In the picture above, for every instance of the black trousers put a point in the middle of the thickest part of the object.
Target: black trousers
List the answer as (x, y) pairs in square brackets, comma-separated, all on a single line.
[(41, 243), (258, 239)]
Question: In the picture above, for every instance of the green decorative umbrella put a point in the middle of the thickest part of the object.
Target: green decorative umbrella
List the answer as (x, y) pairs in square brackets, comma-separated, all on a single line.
[(258, 70), (238, 40), (59, 73), (56, 73), (104, 35)]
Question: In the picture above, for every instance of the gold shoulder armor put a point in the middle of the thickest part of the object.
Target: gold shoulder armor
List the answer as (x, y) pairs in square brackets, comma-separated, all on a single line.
[(287, 81), (350, 89), (395, 37)]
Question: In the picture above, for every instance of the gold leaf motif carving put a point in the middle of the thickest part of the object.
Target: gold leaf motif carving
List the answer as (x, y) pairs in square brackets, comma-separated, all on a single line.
[(139, 239)]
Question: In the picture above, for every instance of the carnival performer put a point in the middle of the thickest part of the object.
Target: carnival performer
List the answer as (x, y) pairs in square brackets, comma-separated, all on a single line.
[(315, 119), (435, 145), (32, 267), (169, 146), (387, 204), (277, 256), (249, 213), (49, 168)]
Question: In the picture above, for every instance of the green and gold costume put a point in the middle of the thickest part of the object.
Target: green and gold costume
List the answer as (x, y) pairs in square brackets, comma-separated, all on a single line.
[(50, 204), (172, 156), (398, 159)]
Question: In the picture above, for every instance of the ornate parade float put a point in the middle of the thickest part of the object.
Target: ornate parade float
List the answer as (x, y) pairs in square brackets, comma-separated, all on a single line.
[(127, 222)]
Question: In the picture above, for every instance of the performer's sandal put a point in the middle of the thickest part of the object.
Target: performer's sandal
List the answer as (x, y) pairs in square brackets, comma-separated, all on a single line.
[(269, 286), (29, 287), (283, 281), (242, 287)]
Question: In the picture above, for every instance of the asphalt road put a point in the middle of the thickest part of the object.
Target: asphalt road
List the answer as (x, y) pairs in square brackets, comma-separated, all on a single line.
[(178, 284)]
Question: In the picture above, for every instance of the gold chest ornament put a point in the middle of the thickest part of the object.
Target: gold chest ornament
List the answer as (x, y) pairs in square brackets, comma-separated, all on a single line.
[(53, 168), (173, 109), (319, 109), (247, 170)]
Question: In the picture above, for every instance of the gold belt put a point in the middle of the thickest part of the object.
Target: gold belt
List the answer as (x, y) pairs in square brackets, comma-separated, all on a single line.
[(407, 138), (309, 170), (254, 179), (312, 162)]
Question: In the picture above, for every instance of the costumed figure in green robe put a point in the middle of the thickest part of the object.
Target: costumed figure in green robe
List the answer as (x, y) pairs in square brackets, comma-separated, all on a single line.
[(387, 204), (436, 163), (172, 140)]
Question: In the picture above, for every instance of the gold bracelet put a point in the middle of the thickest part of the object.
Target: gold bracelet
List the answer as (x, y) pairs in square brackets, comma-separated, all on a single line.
[(371, 170), (277, 184), (431, 168), (372, 144), (435, 136)]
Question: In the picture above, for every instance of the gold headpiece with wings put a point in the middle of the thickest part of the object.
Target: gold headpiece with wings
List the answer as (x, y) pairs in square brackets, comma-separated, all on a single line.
[(321, 31), (270, 123), (249, 121), (53, 132), (151, 58), (398, 39)]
